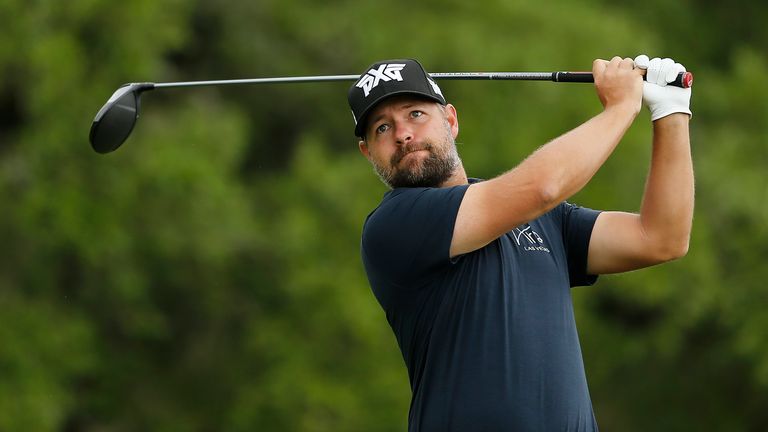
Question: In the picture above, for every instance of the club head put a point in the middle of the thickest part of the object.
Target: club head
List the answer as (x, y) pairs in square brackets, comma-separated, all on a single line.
[(115, 120)]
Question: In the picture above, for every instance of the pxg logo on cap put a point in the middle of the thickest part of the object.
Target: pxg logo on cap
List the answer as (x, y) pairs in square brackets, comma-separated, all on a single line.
[(385, 72), (388, 78)]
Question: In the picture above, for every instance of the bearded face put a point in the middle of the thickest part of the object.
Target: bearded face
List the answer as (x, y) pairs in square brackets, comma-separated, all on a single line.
[(428, 163)]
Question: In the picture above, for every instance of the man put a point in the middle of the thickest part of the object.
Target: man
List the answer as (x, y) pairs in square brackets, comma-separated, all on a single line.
[(475, 276)]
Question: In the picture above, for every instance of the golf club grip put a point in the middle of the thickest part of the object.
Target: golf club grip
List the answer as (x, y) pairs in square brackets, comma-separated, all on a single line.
[(683, 80)]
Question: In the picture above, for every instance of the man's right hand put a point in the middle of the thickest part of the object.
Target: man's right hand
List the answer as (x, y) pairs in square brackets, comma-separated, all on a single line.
[(618, 84)]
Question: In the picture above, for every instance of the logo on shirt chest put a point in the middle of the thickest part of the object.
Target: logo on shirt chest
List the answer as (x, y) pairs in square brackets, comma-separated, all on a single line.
[(529, 239)]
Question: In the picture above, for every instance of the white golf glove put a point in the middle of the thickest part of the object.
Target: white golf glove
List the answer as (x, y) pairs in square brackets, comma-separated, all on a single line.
[(661, 99)]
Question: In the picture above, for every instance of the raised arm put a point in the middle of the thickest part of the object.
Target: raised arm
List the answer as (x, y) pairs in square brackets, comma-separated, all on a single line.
[(624, 241), (555, 171), (660, 233)]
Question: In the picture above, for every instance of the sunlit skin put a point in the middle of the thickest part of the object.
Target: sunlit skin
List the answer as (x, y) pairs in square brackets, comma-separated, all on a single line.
[(410, 141)]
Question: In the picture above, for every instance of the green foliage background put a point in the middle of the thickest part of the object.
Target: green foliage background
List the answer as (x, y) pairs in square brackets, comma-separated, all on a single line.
[(206, 275)]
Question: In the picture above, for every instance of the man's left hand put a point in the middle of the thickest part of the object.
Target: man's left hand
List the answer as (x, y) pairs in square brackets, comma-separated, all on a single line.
[(660, 98)]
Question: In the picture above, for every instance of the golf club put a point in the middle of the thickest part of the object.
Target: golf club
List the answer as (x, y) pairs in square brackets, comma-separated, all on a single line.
[(116, 119)]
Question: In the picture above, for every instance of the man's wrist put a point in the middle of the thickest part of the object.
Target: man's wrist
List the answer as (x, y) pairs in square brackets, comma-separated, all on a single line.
[(674, 119), (628, 109)]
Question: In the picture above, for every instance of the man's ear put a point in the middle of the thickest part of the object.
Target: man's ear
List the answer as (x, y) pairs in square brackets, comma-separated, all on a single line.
[(453, 119), (363, 146)]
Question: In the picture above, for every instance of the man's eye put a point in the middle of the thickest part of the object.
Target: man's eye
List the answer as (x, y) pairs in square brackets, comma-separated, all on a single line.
[(415, 114), (382, 128)]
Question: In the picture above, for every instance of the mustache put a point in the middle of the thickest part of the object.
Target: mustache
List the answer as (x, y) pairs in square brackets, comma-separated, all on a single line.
[(409, 148)]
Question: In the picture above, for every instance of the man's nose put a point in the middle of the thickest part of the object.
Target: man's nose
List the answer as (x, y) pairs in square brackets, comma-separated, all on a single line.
[(403, 133)]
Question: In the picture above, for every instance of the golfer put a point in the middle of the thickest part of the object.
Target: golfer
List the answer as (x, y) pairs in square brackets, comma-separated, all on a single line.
[(475, 275)]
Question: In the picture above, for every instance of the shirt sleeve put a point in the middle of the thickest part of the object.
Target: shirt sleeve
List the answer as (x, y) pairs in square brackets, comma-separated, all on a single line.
[(408, 237), (578, 223)]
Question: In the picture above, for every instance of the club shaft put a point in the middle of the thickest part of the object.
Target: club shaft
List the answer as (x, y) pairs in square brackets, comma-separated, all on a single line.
[(523, 76), (683, 80)]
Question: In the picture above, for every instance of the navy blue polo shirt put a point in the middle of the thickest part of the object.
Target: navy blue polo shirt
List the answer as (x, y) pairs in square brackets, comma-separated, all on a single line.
[(489, 337)]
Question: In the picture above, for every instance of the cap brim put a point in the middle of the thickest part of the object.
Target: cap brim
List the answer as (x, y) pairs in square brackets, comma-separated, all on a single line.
[(360, 126)]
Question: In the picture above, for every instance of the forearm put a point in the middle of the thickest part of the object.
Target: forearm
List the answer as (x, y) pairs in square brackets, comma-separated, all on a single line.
[(666, 213), (563, 166), (571, 160), (556, 170)]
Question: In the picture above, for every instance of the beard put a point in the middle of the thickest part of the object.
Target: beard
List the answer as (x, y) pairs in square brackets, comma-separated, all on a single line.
[(431, 171)]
